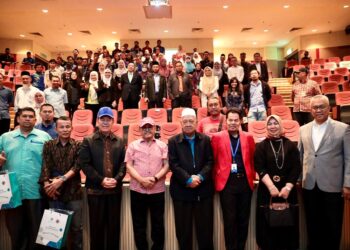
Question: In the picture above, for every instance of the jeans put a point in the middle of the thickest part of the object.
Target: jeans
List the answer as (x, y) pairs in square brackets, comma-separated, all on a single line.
[(256, 116)]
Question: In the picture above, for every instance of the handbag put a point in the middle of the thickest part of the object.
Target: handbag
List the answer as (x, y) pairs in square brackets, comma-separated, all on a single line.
[(281, 214), (10, 195)]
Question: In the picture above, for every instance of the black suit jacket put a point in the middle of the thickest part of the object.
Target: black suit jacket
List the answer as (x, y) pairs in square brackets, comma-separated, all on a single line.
[(264, 74), (131, 90), (150, 88), (107, 95), (266, 94)]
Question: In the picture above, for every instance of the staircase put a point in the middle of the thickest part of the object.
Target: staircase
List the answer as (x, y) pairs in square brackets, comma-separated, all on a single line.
[(283, 87)]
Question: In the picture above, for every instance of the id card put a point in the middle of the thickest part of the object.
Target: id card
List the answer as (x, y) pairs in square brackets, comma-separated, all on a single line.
[(234, 168)]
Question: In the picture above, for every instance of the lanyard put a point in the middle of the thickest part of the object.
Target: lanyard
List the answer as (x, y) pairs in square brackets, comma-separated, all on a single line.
[(234, 153)]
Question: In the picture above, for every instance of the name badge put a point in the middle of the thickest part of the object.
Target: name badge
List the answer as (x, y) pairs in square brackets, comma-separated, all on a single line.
[(234, 168)]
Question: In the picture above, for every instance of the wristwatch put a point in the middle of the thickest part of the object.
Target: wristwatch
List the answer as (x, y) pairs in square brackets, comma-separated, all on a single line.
[(63, 178)]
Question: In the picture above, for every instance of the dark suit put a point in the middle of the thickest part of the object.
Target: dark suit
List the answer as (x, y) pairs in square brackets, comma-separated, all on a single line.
[(155, 98), (131, 90), (264, 74), (107, 95), (180, 99)]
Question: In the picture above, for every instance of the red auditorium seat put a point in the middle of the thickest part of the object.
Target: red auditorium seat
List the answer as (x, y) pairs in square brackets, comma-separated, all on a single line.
[(82, 116), (130, 116), (346, 86), (169, 129), (142, 104), (342, 71), (291, 130), (335, 59), (342, 99), (167, 104), (318, 79), (196, 102), (81, 130), (202, 113), (134, 133), (282, 111), (346, 58), (336, 78), (330, 87), (324, 72), (176, 115), (9, 85), (276, 100), (159, 115), (319, 61), (297, 67), (117, 129), (314, 67), (258, 130)]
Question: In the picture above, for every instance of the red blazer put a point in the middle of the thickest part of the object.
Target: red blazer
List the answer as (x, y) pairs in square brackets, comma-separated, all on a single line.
[(223, 157)]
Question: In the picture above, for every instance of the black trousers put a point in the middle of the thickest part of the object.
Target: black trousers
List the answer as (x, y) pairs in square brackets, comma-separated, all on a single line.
[(71, 108), (235, 201), (302, 117), (182, 101), (324, 218), (130, 104), (94, 108), (23, 224), (4, 125), (157, 102), (202, 213), (140, 204), (104, 215)]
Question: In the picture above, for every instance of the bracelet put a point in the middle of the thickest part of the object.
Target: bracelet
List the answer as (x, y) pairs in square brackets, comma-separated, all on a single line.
[(288, 188), (63, 178), (155, 178)]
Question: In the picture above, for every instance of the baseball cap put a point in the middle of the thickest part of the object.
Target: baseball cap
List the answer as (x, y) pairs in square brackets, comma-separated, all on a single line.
[(105, 111), (147, 120)]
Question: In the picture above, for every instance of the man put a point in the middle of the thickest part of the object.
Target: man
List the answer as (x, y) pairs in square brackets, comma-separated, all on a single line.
[(180, 88), (130, 85), (25, 94), (261, 66), (191, 185), (6, 59), (136, 49), (147, 163), (38, 77), (52, 70), (233, 177), (325, 152), (303, 90), (223, 64), (6, 99), (47, 113), (206, 61), (257, 94), (61, 179), (235, 70), (101, 157), (245, 66), (147, 47), (160, 47), (56, 96), (21, 152), (156, 89), (29, 60), (215, 122), (116, 50)]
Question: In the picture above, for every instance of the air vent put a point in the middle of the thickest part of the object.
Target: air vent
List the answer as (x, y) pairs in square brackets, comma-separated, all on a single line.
[(135, 31), (294, 29), (86, 32), (246, 29), (36, 34), (197, 30)]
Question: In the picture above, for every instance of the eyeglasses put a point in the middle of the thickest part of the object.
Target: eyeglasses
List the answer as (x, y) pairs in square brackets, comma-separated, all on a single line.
[(320, 107)]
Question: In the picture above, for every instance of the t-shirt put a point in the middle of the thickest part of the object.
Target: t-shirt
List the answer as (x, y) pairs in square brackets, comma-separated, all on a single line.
[(209, 126)]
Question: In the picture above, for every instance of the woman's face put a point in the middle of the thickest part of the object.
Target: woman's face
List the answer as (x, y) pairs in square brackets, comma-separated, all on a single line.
[(108, 74), (273, 127), (234, 84), (198, 66), (39, 98), (207, 72), (217, 66), (74, 75), (93, 77), (120, 65), (101, 67)]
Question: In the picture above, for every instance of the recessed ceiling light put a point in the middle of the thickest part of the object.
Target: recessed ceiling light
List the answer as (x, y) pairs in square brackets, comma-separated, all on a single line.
[(83, 46), (45, 11), (216, 30), (99, 9), (346, 6), (266, 30), (286, 6), (21, 35), (114, 32), (314, 30), (225, 6), (166, 31), (69, 34), (254, 43)]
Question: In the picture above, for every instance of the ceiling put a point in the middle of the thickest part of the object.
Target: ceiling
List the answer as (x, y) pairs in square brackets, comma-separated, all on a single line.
[(21, 17)]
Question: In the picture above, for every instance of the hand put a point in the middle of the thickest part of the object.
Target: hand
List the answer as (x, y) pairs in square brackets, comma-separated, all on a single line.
[(52, 187), (119, 86), (284, 193), (114, 104), (346, 193), (273, 191), (196, 181), (148, 182), (109, 183), (164, 99), (146, 99), (2, 158)]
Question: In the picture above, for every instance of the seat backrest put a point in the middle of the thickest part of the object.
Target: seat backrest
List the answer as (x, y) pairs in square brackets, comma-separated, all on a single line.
[(79, 131), (282, 111), (297, 67), (202, 113), (82, 116), (346, 86), (336, 78), (258, 130), (318, 79), (130, 116), (342, 71), (324, 72), (176, 115), (345, 64), (120, 105), (9, 85), (142, 104), (346, 58), (334, 59), (329, 87), (319, 61), (330, 65), (291, 129), (169, 129), (196, 102), (159, 115), (276, 100), (315, 67), (134, 133), (117, 129), (342, 98)]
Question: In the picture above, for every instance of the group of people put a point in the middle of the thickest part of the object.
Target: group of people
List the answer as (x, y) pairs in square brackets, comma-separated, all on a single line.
[(225, 161)]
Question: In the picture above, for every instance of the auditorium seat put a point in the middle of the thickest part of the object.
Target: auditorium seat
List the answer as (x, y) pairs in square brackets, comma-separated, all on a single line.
[(79, 131), (167, 104), (338, 78), (291, 130), (319, 61), (314, 68), (142, 104), (258, 130), (329, 89), (342, 100), (282, 111), (159, 115), (196, 102), (342, 71), (346, 58), (82, 116), (330, 65), (345, 64), (25, 67), (318, 79), (325, 73), (297, 67), (9, 85), (134, 133), (176, 115), (334, 59), (169, 129), (130, 116), (117, 129), (202, 113), (346, 86), (276, 100)]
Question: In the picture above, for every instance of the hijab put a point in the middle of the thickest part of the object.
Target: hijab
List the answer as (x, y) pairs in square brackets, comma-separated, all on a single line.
[(120, 70), (93, 85), (107, 80), (198, 59), (279, 121), (208, 82), (217, 72)]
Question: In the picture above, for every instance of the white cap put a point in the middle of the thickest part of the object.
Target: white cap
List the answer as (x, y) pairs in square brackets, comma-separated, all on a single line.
[(188, 112)]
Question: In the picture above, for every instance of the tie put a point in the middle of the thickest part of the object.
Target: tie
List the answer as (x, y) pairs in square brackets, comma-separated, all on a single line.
[(181, 85)]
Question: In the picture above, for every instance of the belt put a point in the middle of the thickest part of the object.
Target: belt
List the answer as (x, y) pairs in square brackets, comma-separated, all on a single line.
[(239, 175)]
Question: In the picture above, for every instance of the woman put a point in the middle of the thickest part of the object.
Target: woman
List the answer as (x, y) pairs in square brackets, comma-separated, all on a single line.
[(72, 86), (101, 69), (39, 99), (196, 77), (91, 98), (208, 86), (223, 79), (277, 162), (163, 68), (107, 89), (234, 96), (189, 66), (196, 58), (118, 72)]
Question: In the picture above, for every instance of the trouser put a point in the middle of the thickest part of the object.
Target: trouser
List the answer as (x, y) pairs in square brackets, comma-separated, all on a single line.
[(302, 117), (104, 215), (71, 108), (94, 108), (140, 204), (202, 213), (130, 104), (23, 223), (4, 125), (256, 116), (157, 102), (324, 218), (182, 101), (76, 228), (235, 206)]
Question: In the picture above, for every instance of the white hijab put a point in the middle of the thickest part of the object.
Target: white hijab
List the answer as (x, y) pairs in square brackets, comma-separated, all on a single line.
[(93, 84), (107, 80)]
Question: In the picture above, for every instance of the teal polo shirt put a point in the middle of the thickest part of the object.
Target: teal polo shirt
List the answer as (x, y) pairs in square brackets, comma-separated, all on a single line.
[(24, 157)]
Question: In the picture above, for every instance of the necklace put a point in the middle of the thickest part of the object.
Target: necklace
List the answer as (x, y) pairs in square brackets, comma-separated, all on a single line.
[(276, 154)]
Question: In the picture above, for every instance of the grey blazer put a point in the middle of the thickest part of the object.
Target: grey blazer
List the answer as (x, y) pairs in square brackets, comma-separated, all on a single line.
[(329, 166)]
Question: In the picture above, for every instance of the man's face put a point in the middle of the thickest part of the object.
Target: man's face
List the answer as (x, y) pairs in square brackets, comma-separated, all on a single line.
[(254, 75), (257, 58), (242, 56), (131, 67), (56, 83), (29, 55), (319, 110), (84, 62), (234, 61), (47, 114), (39, 68), (38, 98), (213, 107), (222, 58), (26, 120), (233, 122), (105, 124), (26, 79), (148, 132), (189, 124), (52, 65), (302, 76), (178, 67), (64, 129), (206, 55), (155, 68)]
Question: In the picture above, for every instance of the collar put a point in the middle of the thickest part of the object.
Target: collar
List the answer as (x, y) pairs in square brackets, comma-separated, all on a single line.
[(17, 133), (144, 141), (257, 84), (315, 124), (99, 135), (181, 137), (57, 141), (51, 125)]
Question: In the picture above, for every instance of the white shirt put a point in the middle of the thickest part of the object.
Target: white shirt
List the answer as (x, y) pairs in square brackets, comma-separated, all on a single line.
[(57, 98), (258, 67), (25, 97), (237, 71), (318, 131), (156, 78)]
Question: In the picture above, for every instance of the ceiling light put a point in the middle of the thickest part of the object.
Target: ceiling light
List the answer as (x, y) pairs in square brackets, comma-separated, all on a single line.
[(166, 31), (158, 3), (21, 35), (266, 30), (314, 30), (45, 11), (83, 46), (216, 30), (346, 6), (99, 9), (69, 34), (114, 32), (225, 6), (254, 43), (286, 6)]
